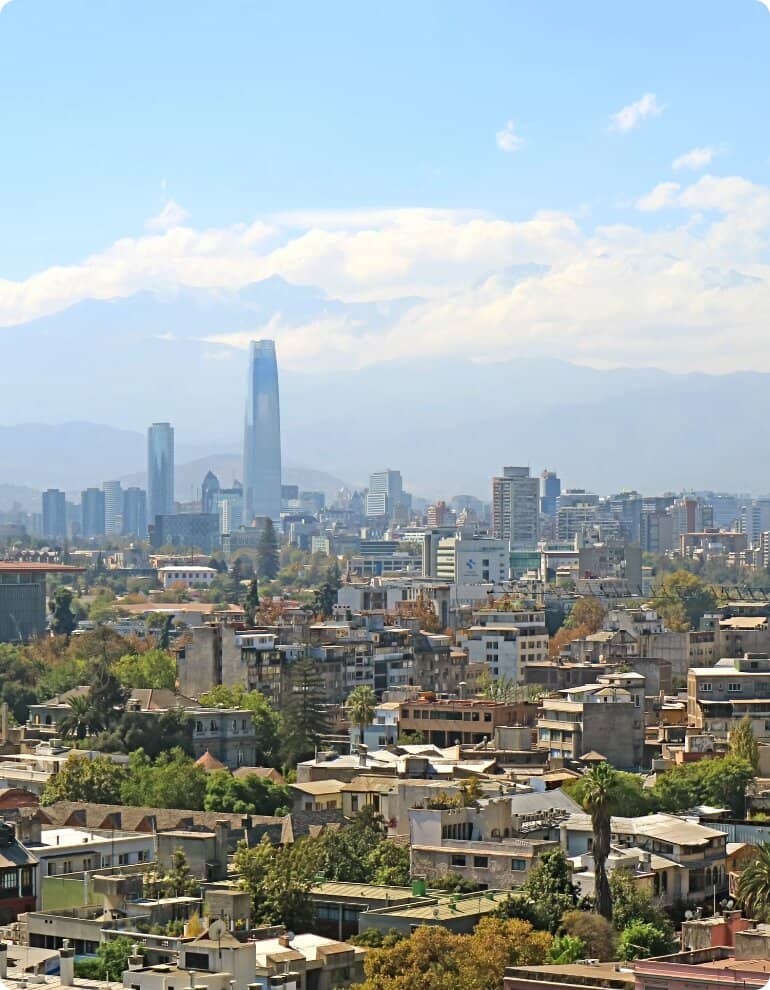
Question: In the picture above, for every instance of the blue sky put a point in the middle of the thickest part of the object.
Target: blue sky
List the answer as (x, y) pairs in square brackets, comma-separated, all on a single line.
[(231, 114)]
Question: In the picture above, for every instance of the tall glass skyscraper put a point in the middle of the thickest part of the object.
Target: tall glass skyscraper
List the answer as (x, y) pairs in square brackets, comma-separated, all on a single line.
[(160, 471), (262, 435)]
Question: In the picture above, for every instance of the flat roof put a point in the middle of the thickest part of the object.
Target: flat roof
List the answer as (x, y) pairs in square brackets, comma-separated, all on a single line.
[(471, 905), (13, 567), (376, 891)]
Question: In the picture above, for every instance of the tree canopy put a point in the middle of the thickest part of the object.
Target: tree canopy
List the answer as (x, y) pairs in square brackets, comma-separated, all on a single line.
[(682, 599)]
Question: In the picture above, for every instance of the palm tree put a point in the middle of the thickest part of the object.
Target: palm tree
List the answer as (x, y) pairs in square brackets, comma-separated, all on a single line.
[(362, 702), (80, 719), (599, 798), (754, 884)]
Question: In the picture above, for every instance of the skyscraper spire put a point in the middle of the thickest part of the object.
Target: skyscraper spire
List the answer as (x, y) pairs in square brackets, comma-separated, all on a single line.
[(262, 435)]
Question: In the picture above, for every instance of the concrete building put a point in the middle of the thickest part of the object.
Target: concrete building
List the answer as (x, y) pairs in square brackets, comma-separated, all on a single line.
[(189, 575), (23, 601), (188, 530), (606, 717), (719, 697), (461, 560), (385, 494), (481, 843), (160, 470), (516, 508), (550, 490), (113, 507), (448, 722), (134, 512), (54, 515), (92, 513), (262, 436)]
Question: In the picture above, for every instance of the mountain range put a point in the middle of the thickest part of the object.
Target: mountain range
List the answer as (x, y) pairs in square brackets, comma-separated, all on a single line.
[(448, 424)]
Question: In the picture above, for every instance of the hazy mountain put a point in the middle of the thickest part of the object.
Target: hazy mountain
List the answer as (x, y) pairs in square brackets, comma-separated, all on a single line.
[(448, 424)]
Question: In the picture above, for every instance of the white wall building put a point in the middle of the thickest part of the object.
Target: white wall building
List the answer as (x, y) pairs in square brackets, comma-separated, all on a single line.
[(190, 575), (472, 561)]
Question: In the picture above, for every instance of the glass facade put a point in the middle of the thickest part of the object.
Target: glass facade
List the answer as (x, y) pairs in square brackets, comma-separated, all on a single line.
[(160, 470), (262, 435)]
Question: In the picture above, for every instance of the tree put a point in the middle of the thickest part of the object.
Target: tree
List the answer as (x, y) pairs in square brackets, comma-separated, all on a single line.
[(113, 956), (640, 940), (595, 932), (305, 719), (630, 794), (267, 552), (716, 781), (153, 669), (178, 881), (345, 852), (251, 603), (599, 801), (630, 903), (566, 949), (107, 695), (63, 619), (565, 636), (80, 719), (278, 881), (549, 890), (172, 781), (483, 957), (170, 730), (326, 594), (361, 705), (97, 781), (389, 864), (250, 795), (682, 599), (586, 613), (743, 745), (754, 884)]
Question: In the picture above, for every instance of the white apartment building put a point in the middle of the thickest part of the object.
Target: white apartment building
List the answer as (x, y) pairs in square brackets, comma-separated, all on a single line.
[(497, 647), (531, 631), (190, 575), (463, 560), (516, 508)]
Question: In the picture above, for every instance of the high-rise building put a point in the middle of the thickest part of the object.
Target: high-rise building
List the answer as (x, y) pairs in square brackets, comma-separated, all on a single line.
[(262, 435), (135, 512), (113, 507), (54, 515), (386, 492), (92, 513), (550, 490), (516, 508), (209, 492), (160, 470)]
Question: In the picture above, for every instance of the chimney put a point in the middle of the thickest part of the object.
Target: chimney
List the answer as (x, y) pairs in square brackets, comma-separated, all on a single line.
[(3, 960), (135, 960), (66, 964)]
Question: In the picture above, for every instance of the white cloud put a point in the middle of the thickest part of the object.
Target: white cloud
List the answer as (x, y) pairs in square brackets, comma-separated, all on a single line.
[(686, 293), (765, 3), (631, 116), (696, 158), (172, 215), (507, 139), (663, 195), (4, 3)]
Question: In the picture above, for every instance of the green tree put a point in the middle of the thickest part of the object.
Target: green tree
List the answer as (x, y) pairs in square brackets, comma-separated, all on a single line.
[(345, 852), (566, 949), (754, 884), (178, 881), (170, 730), (630, 903), (305, 718), (326, 593), (153, 669), (113, 957), (389, 864), (743, 745), (107, 695), (251, 603), (549, 889), (267, 552), (63, 619), (97, 781), (630, 795), (278, 880), (682, 599), (599, 800), (640, 940), (81, 719), (172, 781), (249, 795), (361, 705)]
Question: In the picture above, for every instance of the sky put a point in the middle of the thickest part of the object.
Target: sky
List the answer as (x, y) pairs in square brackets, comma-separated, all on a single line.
[(584, 179)]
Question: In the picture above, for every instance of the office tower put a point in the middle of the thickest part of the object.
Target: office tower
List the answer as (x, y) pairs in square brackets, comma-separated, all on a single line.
[(578, 511), (550, 490), (160, 470), (113, 507), (209, 492), (54, 515), (135, 512), (386, 493), (262, 435), (92, 513), (190, 531), (516, 508), (626, 507)]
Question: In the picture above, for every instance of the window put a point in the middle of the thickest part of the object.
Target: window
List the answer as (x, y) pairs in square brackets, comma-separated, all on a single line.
[(706, 687), (733, 687), (482, 862), (517, 865), (197, 960), (457, 860), (123, 859)]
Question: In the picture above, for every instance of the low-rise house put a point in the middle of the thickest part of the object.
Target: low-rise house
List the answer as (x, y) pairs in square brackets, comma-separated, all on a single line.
[(457, 913), (479, 842), (700, 851), (18, 875), (719, 697)]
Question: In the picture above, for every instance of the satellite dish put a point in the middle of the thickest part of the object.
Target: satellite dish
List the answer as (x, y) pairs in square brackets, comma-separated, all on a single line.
[(217, 929), (688, 915)]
